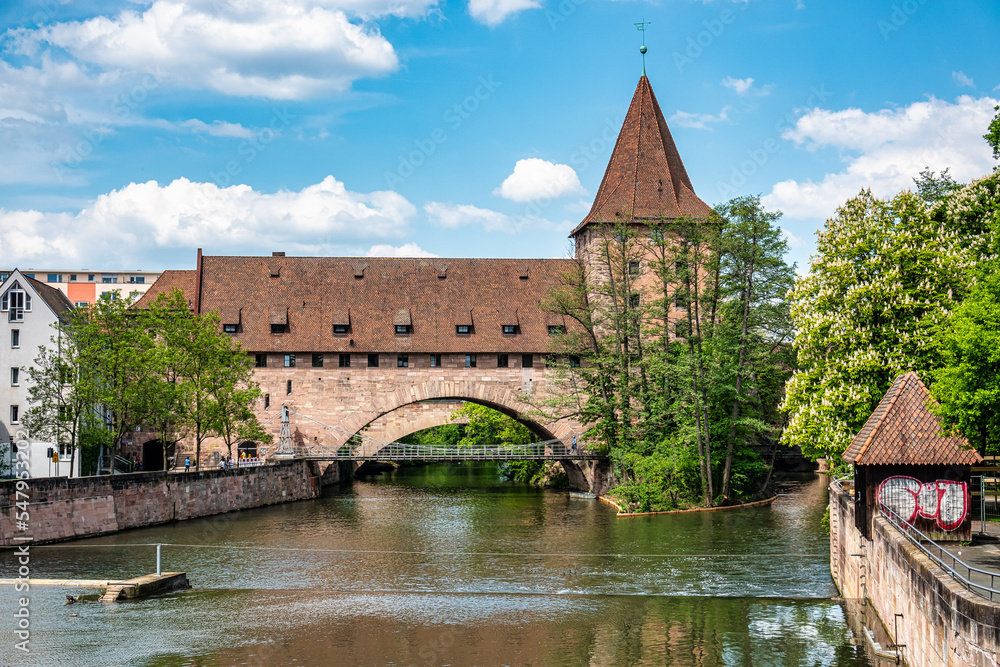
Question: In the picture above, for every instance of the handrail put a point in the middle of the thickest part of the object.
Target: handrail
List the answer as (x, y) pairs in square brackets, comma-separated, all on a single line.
[(990, 592)]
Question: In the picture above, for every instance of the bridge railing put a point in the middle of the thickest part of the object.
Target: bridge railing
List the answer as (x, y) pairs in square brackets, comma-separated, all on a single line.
[(397, 451)]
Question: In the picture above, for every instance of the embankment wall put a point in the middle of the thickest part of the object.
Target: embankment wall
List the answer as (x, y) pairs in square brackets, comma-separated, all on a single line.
[(60, 508), (941, 622)]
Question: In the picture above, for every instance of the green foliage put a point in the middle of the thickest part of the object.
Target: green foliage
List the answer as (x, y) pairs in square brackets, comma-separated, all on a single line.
[(884, 278), (992, 135), (486, 426), (111, 368), (933, 189)]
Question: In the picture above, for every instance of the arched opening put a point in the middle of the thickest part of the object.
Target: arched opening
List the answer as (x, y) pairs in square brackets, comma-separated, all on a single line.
[(246, 449)]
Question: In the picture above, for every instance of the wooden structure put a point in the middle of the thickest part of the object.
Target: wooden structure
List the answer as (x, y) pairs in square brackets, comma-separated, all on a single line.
[(905, 464)]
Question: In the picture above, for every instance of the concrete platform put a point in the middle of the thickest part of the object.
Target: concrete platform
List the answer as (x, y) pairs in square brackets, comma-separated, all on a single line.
[(115, 590)]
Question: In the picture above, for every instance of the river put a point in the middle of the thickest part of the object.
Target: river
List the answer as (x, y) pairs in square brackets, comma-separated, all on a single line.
[(448, 565)]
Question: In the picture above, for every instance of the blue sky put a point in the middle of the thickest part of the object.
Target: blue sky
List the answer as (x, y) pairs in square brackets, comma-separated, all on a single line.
[(134, 132)]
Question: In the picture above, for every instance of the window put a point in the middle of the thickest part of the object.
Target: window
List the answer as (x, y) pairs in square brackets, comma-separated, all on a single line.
[(16, 302), (109, 278), (15, 338), (345, 360), (3, 277), (90, 277), (372, 361), (633, 300), (277, 328), (501, 361), (229, 328), (289, 361), (403, 328), (340, 328), (30, 275), (53, 278), (509, 329), (14, 414), (463, 329), (72, 277), (550, 360), (555, 329), (470, 361), (260, 360), (15, 376), (288, 387), (527, 361), (267, 401), (137, 280), (82, 304), (402, 360), (574, 361), (633, 268), (435, 361), (680, 301), (317, 361)]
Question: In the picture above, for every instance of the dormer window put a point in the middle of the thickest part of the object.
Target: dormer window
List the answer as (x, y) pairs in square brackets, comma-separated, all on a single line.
[(404, 329), (341, 322), (402, 322), (555, 329), (279, 321), (229, 328), (340, 328), (277, 328), (15, 302), (509, 329), (463, 329)]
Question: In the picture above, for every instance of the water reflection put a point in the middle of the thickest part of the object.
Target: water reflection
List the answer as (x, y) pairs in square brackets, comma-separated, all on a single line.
[(448, 565)]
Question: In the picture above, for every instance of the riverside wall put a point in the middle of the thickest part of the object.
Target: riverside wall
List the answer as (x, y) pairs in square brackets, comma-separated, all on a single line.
[(941, 623), (61, 508)]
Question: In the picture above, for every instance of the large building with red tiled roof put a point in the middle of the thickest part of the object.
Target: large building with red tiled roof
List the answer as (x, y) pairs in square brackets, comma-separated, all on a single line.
[(350, 340)]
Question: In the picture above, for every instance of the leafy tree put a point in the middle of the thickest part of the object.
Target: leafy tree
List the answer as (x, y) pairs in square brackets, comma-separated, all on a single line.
[(885, 275), (486, 426), (933, 189), (232, 391), (992, 135)]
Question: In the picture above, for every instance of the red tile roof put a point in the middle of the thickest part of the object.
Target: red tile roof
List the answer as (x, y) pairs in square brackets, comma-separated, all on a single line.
[(903, 431), (168, 281), (645, 177), (372, 296)]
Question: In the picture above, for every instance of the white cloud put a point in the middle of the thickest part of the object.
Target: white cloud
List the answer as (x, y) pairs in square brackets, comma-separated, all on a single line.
[(962, 79), (278, 50), (745, 86), (890, 146), (405, 250), (699, 121), (448, 215), (140, 222), (495, 12), (456, 215), (535, 179), (791, 239)]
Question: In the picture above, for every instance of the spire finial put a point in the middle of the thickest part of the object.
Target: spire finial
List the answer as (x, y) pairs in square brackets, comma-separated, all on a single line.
[(641, 27)]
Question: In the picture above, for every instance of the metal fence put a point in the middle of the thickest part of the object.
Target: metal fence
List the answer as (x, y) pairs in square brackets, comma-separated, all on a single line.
[(984, 492), (980, 582), (397, 451)]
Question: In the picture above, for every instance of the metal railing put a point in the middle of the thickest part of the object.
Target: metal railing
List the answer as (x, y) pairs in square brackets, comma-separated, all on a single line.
[(959, 570), (397, 451)]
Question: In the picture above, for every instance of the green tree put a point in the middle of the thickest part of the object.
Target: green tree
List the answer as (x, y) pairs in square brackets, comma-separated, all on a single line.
[(755, 323), (884, 277), (933, 188), (992, 135)]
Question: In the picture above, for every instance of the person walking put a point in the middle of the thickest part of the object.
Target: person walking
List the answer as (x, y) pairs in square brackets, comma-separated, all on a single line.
[(187, 464), (574, 445)]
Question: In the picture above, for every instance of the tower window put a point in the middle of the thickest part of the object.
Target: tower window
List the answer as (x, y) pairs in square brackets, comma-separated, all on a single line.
[(288, 387)]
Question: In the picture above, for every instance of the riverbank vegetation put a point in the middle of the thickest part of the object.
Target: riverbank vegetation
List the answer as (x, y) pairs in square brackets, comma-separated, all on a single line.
[(111, 369), (680, 347)]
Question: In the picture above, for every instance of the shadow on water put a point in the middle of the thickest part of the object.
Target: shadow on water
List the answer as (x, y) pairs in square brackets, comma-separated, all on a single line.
[(451, 565)]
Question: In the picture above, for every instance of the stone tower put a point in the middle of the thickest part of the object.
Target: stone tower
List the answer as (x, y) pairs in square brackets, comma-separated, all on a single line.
[(645, 182)]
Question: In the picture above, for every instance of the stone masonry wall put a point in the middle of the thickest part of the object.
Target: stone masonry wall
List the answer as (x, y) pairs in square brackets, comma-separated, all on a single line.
[(942, 624), (63, 508)]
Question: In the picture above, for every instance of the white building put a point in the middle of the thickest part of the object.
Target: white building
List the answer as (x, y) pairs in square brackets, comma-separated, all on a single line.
[(28, 309)]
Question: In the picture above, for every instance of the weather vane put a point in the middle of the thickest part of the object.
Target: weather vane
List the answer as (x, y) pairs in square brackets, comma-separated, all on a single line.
[(641, 27)]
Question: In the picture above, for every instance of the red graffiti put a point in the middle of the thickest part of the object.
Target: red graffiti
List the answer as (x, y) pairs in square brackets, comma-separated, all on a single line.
[(945, 501)]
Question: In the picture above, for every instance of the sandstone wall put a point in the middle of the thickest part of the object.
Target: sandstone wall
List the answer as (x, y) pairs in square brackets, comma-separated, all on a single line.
[(941, 624), (62, 508)]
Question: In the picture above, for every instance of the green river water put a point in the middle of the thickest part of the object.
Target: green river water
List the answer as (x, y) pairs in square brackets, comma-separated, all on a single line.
[(448, 565)]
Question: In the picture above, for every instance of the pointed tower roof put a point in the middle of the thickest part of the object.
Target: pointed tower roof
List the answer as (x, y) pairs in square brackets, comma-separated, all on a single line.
[(903, 431), (645, 177)]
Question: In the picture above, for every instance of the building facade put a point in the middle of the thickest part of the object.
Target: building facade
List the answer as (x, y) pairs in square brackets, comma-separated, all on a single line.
[(84, 287), (28, 310), (349, 342)]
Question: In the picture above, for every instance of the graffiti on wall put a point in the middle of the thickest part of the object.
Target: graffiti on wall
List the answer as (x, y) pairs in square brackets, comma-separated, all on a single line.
[(944, 501)]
